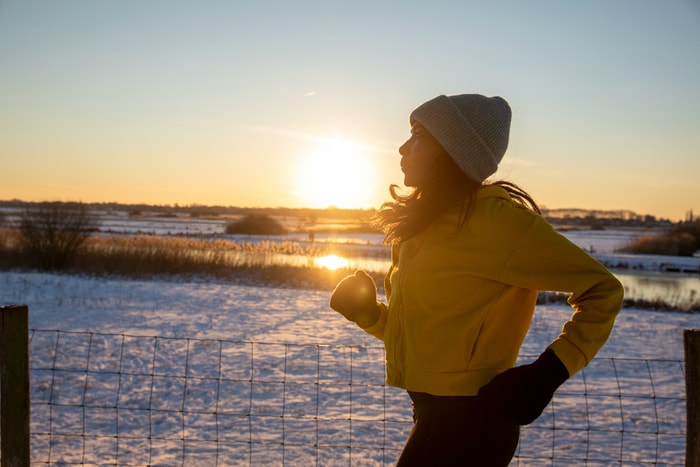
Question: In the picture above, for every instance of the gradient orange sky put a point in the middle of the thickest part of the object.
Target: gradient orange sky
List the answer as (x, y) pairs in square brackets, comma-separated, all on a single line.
[(304, 104)]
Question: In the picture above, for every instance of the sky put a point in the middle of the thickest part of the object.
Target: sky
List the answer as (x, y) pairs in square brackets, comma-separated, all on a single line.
[(305, 103)]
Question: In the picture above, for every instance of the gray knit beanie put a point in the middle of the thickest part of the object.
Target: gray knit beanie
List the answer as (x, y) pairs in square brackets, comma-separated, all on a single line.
[(472, 128)]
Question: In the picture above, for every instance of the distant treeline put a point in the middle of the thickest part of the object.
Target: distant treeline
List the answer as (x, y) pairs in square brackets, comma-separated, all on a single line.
[(197, 210), (601, 219), (569, 217)]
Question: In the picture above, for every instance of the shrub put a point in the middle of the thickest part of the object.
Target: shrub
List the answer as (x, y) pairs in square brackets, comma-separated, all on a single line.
[(680, 240), (50, 234), (689, 228), (256, 224), (10, 256), (671, 245)]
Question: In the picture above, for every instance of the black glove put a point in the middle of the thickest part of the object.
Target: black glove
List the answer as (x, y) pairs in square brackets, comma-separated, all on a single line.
[(521, 394)]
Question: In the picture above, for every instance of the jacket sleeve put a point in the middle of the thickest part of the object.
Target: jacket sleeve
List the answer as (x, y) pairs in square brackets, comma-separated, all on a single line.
[(377, 329), (545, 260)]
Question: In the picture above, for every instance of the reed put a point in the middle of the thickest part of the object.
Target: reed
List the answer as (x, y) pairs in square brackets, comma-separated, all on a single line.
[(149, 254), (259, 263), (682, 239), (252, 263), (673, 302)]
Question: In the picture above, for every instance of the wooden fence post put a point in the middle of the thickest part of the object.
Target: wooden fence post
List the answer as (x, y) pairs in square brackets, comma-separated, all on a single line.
[(691, 340), (14, 386)]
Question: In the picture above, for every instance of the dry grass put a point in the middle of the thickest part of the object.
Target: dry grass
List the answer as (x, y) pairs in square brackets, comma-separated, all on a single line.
[(673, 302), (670, 245), (260, 263), (148, 254), (682, 239)]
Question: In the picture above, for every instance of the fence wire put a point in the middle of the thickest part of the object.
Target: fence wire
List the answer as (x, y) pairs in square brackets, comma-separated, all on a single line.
[(117, 399)]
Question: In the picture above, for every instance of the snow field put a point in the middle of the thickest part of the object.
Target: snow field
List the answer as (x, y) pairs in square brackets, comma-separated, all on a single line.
[(207, 373)]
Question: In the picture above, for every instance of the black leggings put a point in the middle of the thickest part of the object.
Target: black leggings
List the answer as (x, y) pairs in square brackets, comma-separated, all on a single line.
[(457, 431)]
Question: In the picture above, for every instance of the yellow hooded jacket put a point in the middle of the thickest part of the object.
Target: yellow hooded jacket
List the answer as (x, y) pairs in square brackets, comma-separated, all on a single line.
[(460, 302)]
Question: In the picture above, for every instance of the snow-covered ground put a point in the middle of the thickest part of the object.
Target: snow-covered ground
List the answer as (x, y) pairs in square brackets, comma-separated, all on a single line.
[(214, 310), (205, 309), (626, 408)]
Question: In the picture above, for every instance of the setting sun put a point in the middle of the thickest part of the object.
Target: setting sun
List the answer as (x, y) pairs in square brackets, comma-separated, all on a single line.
[(331, 262), (336, 173)]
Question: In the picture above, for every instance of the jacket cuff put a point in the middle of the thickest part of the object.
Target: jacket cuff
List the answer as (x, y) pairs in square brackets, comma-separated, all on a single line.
[(377, 329), (570, 355)]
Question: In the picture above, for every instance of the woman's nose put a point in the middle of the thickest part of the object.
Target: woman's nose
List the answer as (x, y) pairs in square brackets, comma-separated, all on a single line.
[(403, 148)]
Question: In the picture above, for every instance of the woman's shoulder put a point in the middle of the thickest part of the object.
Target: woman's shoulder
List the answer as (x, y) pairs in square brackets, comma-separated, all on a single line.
[(494, 203), (492, 191)]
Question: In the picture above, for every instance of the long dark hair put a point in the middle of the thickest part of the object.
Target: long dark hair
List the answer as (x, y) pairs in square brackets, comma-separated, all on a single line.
[(448, 188)]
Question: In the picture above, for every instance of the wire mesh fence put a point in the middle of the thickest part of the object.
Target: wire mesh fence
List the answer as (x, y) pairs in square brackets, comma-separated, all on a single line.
[(117, 399)]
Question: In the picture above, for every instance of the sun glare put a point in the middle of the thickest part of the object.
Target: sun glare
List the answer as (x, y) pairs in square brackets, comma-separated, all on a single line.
[(331, 262), (336, 173)]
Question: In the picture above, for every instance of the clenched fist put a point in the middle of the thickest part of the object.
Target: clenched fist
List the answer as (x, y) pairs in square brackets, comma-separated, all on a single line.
[(355, 297), (521, 394)]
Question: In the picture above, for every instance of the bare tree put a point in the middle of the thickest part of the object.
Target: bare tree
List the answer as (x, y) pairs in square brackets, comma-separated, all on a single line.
[(52, 233)]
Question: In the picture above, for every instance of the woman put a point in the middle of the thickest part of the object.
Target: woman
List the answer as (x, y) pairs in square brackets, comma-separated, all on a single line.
[(468, 259)]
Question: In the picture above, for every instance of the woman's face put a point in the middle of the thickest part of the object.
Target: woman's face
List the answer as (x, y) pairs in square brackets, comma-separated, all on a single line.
[(418, 155)]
